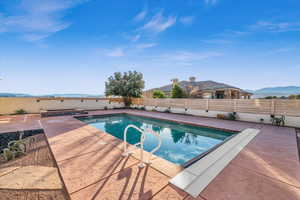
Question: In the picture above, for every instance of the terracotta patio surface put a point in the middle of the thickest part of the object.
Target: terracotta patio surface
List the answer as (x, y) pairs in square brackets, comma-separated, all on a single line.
[(36, 171), (92, 166)]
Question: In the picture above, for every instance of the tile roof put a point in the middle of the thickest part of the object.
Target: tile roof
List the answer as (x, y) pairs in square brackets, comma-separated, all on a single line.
[(201, 85)]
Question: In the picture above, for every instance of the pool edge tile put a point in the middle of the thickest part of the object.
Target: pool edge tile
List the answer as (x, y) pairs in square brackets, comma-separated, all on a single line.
[(183, 179)]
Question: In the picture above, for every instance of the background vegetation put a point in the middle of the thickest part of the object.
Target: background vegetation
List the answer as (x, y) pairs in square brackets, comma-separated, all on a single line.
[(127, 85)]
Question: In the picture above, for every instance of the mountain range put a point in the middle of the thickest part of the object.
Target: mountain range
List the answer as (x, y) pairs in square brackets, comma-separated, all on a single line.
[(260, 93), (275, 91), (49, 95)]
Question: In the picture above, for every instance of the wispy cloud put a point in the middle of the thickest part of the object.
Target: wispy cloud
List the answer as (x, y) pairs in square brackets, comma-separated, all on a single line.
[(39, 18), (269, 26), (140, 16), (135, 37), (211, 2), (188, 56), (117, 52), (159, 23), (145, 45), (187, 20)]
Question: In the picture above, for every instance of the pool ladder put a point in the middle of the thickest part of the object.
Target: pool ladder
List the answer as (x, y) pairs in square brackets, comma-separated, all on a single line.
[(143, 137)]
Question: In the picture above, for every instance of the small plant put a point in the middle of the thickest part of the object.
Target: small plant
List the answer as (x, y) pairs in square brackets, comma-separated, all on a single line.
[(142, 108), (14, 149), (231, 116), (20, 112), (168, 110), (8, 154), (221, 116)]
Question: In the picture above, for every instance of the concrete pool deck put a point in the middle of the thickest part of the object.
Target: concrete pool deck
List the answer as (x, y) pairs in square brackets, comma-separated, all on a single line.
[(92, 167)]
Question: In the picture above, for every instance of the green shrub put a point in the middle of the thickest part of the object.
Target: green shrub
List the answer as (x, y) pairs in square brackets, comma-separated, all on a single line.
[(20, 111), (14, 149), (177, 92), (158, 94), (271, 97)]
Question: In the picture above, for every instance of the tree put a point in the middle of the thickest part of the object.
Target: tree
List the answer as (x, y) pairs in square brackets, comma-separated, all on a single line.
[(292, 96), (177, 92), (127, 85), (158, 94), (271, 97)]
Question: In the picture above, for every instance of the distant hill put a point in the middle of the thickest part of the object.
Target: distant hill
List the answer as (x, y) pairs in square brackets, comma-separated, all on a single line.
[(14, 95), (49, 95), (260, 93), (73, 95), (275, 91)]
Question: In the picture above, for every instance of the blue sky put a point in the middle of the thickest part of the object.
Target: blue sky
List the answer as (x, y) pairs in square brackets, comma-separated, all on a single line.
[(72, 46)]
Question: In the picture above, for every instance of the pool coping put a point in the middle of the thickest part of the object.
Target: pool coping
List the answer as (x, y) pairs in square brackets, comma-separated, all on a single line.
[(154, 117), (197, 177)]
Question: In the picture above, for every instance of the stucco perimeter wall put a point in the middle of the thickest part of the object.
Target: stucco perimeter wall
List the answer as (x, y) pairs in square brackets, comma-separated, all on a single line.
[(34, 105)]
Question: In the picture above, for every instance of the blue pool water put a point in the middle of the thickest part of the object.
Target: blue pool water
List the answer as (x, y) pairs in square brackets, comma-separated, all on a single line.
[(180, 142)]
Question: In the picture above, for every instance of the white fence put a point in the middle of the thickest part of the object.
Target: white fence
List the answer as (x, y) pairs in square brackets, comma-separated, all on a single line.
[(253, 110)]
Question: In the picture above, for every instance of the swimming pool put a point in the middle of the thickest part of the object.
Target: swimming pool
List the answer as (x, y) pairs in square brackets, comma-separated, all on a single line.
[(181, 143)]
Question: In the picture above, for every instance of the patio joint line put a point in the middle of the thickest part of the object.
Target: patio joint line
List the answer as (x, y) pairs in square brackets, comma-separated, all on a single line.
[(4, 174), (159, 171), (261, 174)]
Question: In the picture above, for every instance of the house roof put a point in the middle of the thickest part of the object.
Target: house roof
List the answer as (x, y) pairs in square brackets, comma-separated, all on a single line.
[(201, 85)]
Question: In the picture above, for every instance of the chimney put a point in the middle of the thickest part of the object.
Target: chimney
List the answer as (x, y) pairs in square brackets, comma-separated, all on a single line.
[(192, 79), (175, 80)]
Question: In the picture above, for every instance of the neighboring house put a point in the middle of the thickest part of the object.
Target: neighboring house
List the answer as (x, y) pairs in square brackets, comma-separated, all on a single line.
[(204, 90)]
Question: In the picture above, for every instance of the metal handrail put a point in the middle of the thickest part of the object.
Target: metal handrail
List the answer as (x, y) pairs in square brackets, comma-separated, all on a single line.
[(126, 153), (159, 143), (143, 137)]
